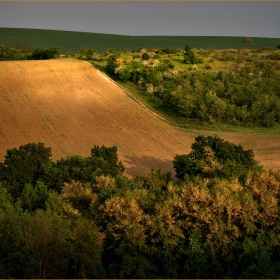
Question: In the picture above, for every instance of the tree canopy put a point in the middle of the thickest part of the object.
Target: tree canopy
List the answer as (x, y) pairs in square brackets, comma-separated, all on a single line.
[(81, 217)]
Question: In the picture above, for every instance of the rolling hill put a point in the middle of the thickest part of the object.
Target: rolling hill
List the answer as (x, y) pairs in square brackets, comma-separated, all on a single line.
[(70, 106), (69, 41)]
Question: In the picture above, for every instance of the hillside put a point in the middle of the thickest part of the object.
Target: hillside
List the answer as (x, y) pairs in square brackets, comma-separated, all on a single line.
[(70, 106), (69, 41)]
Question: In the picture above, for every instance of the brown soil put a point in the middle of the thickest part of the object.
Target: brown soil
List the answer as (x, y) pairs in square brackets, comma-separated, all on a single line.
[(71, 106)]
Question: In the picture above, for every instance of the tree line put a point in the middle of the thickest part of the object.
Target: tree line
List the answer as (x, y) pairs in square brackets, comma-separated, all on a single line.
[(23, 52), (81, 217)]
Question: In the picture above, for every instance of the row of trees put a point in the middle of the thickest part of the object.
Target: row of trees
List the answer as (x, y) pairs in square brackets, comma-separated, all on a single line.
[(248, 96), (81, 217), (26, 53)]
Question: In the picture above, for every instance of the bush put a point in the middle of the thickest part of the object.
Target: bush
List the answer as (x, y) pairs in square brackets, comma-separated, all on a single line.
[(169, 50), (45, 53), (190, 57), (273, 56), (14, 53), (111, 63), (145, 56)]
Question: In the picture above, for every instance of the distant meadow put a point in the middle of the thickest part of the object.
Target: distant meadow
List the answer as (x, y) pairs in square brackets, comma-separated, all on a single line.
[(69, 41)]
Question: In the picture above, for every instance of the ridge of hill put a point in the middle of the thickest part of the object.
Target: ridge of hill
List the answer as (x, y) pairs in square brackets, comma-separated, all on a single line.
[(71, 106), (71, 41)]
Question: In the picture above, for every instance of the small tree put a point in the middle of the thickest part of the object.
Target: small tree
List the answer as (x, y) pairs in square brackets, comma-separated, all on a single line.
[(110, 157), (24, 165), (111, 63), (145, 56), (89, 53), (190, 57)]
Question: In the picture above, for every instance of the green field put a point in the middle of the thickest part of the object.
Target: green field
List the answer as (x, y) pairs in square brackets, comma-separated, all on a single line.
[(69, 41)]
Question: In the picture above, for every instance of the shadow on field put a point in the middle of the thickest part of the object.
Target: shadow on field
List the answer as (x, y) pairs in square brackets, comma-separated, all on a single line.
[(135, 165)]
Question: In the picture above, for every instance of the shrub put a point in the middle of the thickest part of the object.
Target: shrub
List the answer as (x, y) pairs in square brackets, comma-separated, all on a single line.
[(45, 53), (146, 56), (190, 57), (169, 50), (111, 63)]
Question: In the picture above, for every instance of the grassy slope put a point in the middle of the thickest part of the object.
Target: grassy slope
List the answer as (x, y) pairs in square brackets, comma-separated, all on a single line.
[(69, 41)]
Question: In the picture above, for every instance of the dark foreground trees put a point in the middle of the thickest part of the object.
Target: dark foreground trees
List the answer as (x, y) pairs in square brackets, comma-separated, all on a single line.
[(80, 217)]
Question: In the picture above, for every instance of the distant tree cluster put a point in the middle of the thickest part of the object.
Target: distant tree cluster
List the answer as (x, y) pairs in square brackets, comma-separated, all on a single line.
[(26, 53), (248, 96), (45, 53), (80, 217)]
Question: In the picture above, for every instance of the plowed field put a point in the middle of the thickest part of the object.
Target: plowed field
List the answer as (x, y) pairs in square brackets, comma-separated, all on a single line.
[(70, 106)]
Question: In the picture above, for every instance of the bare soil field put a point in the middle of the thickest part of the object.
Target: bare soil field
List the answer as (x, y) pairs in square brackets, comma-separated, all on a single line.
[(70, 106)]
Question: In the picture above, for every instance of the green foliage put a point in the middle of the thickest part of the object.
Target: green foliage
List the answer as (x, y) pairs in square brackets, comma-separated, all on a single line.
[(45, 53), (24, 165), (33, 198), (168, 50), (110, 157), (103, 161), (145, 56), (111, 63), (221, 220), (184, 166), (26, 53), (14, 53), (155, 180), (212, 156), (46, 235), (87, 249), (245, 94), (190, 57)]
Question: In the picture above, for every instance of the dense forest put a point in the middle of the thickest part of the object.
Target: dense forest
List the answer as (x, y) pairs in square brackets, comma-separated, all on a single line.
[(81, 217)]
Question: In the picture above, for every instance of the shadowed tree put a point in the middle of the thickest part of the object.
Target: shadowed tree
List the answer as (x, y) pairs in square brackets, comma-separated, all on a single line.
[(24, 165), (109, 155)]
